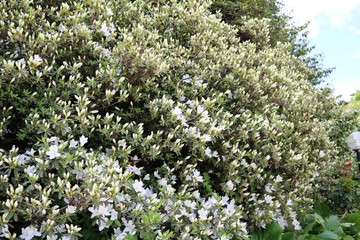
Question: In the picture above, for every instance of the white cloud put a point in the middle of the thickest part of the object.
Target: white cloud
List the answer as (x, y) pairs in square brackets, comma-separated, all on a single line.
[(354, 30), (356, 55), (342, 87), (335, 12)]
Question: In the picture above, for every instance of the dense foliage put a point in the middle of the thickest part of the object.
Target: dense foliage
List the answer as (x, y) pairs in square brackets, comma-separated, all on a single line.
[(281, 29), (152, 119), (320, 224)]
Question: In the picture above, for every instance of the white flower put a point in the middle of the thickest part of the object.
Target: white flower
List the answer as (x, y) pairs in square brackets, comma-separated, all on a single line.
[(196, 194), (83, 140), (23, 159), (37, 59), (182, 98), (296, 224), (73, 143), (282, 222), (4, 230), (190, 204), (162, 182), (29, 232), (253, 166), (102, 210), (322, 153), (30, 170), (133, 169), (66, 237), (156, 174), (71, 209), (51, 237), (122, 143), (30, 153), (268, 199), (129, 226), (53, 152), (109, 12), (177, 111), (269, 188), (105, 29), (198, 81), (224, 238), (207, 138), (197, 177), (60, 228), (224, 200), (230, 185), (266, 122), (55, 140), (230, 208), (278, 179), (203, 214), (315, 174), (113, 214), (62, 27), (201, 111), (138, 186), (186, 78), (208, 152), (21, 62), (106, 52), (215, 154)]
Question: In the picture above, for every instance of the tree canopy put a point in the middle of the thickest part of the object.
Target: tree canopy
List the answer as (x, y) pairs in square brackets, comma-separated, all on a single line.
[(281, 29)]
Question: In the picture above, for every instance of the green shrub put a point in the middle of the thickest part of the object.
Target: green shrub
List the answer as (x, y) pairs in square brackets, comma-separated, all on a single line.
[(321, 224), (151, 119), (345, 195)]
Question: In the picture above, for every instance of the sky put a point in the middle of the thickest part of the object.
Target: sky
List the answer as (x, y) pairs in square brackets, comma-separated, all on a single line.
[(334, 30)]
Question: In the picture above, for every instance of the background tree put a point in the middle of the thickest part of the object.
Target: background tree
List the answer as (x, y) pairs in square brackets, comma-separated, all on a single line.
[(281, 29)]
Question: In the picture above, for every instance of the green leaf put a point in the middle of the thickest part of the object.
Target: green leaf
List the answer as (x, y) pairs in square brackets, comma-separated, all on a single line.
[(109, 222), (314, 224), (328, 235), (131, 237), (322, 209), (347, 237), (332, 224), (117, 222), (271, 232), (288, 236), (353, 218)]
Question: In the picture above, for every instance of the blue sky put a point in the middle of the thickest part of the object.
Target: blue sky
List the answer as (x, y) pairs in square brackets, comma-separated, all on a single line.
[(335, 31)]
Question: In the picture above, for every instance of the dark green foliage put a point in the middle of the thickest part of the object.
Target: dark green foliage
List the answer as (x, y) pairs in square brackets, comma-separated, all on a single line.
[(271, 232), (345, 195), (321, 225)]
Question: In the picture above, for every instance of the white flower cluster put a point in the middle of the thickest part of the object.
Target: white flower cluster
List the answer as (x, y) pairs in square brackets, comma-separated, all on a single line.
[(115, 196)]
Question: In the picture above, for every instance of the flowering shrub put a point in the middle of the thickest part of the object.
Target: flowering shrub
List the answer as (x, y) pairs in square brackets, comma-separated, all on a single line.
[(63, 182), (149, 119)]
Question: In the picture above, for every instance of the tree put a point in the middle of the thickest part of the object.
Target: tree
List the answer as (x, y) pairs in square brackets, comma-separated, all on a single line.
[(281, 29)]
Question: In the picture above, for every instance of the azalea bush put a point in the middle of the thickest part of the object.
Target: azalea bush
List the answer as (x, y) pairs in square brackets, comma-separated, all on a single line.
[(151, 119), (68, 192)]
